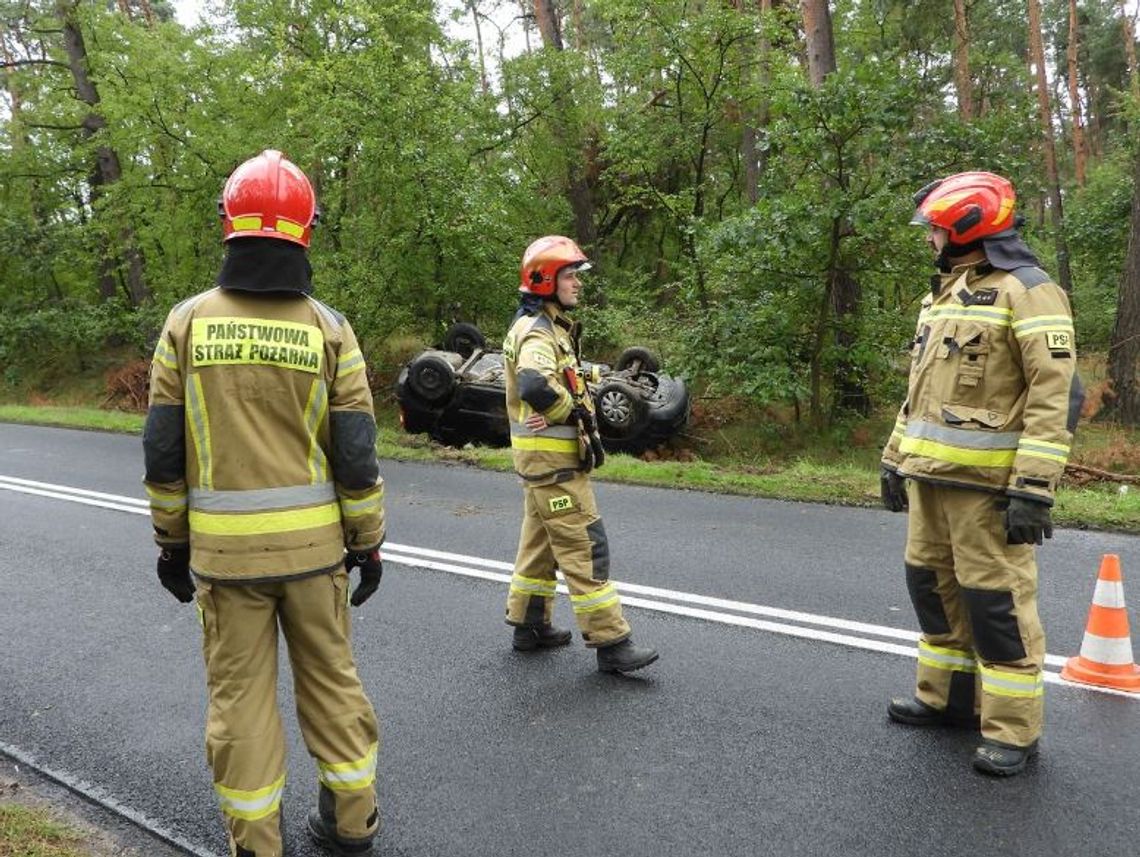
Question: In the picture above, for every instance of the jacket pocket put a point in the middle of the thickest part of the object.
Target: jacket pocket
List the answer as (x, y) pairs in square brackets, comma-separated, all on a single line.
[(970, 347), (956, 415)]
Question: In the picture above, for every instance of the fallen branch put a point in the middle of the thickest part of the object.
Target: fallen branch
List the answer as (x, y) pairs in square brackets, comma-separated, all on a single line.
[(1087, 474)]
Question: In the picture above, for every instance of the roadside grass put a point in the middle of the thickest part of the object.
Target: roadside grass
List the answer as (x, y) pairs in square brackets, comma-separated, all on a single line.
[(841, 468), (33, 832)]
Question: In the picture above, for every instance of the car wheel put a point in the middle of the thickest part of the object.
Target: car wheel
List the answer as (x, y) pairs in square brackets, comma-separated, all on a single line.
[(431, 377), (464, 339), (670, 402), (639, 359), (621, 412)]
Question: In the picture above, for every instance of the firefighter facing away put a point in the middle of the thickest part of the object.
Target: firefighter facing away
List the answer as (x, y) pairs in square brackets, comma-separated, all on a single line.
[(976, 454), (555, 445), (261, 471)]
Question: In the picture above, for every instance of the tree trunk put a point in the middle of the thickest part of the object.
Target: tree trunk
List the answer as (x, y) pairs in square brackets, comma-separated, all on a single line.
[(1057, 213), (473, 5), (841, 291), (1130, 49), (820, 40), (107, 169), (1124, 351), (546, 17), (1080, 153), (752, 152), (963, 83), (580, 161)]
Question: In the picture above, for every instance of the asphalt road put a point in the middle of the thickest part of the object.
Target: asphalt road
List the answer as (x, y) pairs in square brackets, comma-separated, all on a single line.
[(742, 740)]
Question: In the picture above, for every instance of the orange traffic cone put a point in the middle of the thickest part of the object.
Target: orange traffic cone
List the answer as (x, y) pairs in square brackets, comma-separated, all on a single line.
[(1106, 652)]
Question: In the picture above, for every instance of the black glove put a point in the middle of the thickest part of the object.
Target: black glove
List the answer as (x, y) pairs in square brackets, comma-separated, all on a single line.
[(174, 573), (892, 488), (1027, 522), (579, 414), (594, 454), (371, 568)]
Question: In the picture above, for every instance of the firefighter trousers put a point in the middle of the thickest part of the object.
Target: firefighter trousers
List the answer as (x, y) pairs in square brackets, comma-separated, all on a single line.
[(245, 745), (561, 529), (982, 647)]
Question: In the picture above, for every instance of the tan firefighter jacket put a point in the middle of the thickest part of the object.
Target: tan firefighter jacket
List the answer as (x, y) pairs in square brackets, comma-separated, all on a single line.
[(260, 438), (538, 350), (993, 397)]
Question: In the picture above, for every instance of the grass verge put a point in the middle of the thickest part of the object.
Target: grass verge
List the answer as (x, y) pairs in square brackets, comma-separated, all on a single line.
[(805, 478), (33, 832)]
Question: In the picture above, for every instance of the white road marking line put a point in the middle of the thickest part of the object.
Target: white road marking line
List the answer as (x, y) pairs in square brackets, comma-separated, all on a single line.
[(462, 564)]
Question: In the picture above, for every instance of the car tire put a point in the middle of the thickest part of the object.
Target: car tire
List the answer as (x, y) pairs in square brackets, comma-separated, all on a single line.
[(431, 378), (464, 339), (670, 403), (621, 412), (635, 355)]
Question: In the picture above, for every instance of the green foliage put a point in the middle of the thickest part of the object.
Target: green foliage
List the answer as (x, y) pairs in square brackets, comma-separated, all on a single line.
[(1097, 229), (431, 184)]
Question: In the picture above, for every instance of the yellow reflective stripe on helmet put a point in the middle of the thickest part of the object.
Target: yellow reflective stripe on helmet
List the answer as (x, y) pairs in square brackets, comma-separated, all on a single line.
[(533, 585), (171, 502), (315, 410), (590, 602), (1044, 449), (1020, 685), (200, 430), (246, 223), (164, 354), (359, 507), (263, 523), (351, 362), (944, 452), (1026, 326), (951, 660), (251, 805), (545, 444), (349, 776), (290, 228)]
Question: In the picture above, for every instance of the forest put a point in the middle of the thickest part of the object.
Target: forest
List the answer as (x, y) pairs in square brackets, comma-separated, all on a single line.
[(741, 171)]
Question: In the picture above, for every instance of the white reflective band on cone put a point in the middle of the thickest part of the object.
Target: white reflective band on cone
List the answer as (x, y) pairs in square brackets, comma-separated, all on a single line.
[(1116, 651), (1109, 593)]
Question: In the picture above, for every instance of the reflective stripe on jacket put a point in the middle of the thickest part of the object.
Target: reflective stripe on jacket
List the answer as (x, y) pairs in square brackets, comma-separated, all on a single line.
[(260, 438), (993, 397)]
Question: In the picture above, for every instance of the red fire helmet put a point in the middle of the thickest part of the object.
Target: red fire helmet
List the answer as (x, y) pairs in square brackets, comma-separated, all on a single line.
[(268, 197), (969, 206)]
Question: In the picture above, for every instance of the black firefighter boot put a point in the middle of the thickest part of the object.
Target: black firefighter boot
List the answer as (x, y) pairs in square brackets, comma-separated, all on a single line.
[(539, 637), (1002, 760), (323, 832), (914, 712), (624, 657)]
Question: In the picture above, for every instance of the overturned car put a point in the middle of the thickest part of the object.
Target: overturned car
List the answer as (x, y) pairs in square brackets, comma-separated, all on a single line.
[(456, 394)]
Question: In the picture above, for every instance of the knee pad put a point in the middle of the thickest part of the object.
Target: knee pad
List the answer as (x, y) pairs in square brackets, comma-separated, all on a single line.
[(996, 634), (922, 584), (599, 550)]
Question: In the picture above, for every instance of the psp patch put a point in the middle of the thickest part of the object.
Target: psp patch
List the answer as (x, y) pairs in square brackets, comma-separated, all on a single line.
[(561, 504), (1058, 340)]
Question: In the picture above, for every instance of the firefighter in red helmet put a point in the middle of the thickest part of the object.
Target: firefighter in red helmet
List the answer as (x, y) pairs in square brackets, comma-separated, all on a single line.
[(978, 449), (555, 445), (265, 493)]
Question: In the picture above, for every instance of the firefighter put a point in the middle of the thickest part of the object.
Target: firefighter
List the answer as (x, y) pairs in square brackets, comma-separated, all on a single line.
[(265, 493), (976, 454), (555, 445)]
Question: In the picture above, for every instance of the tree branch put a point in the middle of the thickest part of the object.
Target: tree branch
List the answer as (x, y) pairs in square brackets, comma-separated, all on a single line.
[(16, 63)]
